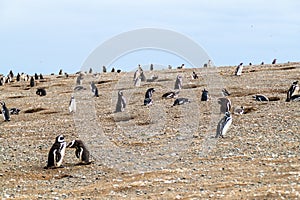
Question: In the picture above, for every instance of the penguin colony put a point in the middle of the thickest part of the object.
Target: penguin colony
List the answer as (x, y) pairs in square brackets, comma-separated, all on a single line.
[(57, 151)]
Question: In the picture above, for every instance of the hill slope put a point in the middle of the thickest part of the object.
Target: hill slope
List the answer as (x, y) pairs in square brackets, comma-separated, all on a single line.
[(158, 151)]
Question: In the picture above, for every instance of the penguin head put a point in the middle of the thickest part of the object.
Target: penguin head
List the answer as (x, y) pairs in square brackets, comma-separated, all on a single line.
[(71, 144), (295, 82), (60, 139), (75, 143), (227, 114), (120, 93)]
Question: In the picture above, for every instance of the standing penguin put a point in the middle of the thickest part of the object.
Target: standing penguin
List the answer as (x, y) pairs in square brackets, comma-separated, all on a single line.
[(5, 112), (204, 96), (81, 152), (72, 105), (121, 103), (32, 82), (294, 90), (224, 125), (239, 69), (148, 96), (18, 77), (178, 83), (56, 153), (225, 104)]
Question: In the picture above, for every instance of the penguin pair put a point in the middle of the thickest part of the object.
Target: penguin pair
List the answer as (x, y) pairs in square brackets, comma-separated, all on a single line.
[(5, 112), (57, 152)]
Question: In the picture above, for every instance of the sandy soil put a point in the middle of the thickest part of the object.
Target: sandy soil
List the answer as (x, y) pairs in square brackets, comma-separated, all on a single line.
[(155, 152)]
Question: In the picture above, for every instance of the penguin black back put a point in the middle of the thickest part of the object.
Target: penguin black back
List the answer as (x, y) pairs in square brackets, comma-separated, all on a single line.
[(81, 152), (5, 112), (56, 153)]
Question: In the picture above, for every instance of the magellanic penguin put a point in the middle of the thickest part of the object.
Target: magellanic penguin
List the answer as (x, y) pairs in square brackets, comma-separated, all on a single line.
[(170, 95), (14, 111), (72, 105), (239, 111), (239, 70), (81, 152), (225, 92), (293, 92), (56, 153), (149, 93), (225, 104), (178, 83), (121, 102), (224, 125), (260, 97), (148, 101), (204, 96), (5, 112), (181, 101)]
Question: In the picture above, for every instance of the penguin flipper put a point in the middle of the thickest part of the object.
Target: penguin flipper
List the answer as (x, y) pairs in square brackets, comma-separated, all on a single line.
[(58, 156)]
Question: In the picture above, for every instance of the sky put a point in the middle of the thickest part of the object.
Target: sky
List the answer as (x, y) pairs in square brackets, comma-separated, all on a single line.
[(45, 36)]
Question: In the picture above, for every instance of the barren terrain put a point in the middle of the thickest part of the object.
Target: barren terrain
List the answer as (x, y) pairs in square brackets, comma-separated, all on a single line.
[(159, 151)]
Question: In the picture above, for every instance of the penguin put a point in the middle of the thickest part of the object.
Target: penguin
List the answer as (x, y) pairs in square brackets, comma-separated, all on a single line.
[(119, 71), (14, 111), (72, 105), (56, 153), (194, 75), (225, 92), (178, 83), (5, 112), (41, 92), (181, 66), (239, 111), (18, 77), (293, 90), (90, 71), (32, 82), (104, 69), (93, 86), (96, 94), (170, 95), (121, 103), (181, 101), (60, 72), (148, 101), (224, 125), (149, 93), (274, 61), (239, 69), (225, 105), (113, 69), (36, 77), (151, 67), (66, 75), (41, 76), (79, 79), (260, 97), (81, 152), (204, 96)]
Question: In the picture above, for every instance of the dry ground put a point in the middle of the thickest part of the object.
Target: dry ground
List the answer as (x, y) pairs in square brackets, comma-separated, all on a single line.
[(156, 152)]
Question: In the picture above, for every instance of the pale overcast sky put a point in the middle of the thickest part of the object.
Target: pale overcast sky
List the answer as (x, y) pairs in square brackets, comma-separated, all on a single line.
[(44, 36)]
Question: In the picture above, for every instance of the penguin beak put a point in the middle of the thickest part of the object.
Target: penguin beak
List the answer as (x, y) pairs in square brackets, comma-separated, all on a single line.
[(70, 145)]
